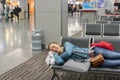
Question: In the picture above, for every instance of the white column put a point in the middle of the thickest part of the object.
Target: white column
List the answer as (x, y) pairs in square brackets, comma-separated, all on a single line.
[(51, 17), (24, 6)]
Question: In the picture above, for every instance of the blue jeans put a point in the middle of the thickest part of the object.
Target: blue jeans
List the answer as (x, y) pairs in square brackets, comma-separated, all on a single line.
[(111, 58)]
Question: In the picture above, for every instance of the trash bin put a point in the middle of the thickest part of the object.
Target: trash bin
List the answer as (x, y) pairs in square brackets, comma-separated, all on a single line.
[(84, 22), (36, 39)]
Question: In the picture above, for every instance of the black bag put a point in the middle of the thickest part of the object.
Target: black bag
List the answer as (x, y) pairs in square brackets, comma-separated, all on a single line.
[(19, 9)]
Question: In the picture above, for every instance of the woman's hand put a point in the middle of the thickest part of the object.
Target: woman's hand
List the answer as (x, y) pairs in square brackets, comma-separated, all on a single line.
[(91, 54), (91, 51)]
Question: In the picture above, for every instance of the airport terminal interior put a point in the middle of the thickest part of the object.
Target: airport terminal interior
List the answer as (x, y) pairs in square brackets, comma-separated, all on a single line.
[(16, 40), (16, 36)]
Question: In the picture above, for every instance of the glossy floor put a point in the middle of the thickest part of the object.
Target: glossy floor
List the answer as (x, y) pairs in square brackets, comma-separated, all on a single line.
[(15, 40)]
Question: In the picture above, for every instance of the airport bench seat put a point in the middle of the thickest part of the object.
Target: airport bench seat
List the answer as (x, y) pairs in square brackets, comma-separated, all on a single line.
[(85, 42)]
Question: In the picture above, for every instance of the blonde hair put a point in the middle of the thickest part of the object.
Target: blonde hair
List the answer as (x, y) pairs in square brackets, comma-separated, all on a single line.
[(50, 44)]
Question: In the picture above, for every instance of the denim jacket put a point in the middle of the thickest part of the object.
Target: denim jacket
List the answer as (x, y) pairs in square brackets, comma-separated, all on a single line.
[(71, 52)]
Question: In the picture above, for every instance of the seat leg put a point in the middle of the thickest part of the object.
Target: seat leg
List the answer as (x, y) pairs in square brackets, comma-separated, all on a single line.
[(54, 76)]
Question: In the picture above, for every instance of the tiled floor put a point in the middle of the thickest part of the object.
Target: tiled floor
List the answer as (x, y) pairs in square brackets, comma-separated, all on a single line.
[(74, 24), (15, 41)]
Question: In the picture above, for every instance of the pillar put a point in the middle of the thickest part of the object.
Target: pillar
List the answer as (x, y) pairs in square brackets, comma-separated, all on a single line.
[(51, 17)]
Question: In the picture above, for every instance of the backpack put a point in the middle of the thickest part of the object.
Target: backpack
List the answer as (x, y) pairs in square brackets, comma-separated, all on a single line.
[(19, 9), (103, 44)]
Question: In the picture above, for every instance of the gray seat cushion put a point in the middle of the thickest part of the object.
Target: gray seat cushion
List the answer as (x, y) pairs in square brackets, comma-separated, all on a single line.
[(78, 41), (93, 29), (111, 30), (77, 66), (72, 65)]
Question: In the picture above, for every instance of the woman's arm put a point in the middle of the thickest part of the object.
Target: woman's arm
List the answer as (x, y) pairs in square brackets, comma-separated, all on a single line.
[(58, 59), (68, 48)]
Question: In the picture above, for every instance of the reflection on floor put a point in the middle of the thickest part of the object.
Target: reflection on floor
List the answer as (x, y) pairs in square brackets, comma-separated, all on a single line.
[(74, 24), (15, 41), (15, 44)]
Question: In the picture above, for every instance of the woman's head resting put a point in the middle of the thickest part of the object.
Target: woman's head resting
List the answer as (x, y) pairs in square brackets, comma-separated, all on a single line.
[(53, 46)]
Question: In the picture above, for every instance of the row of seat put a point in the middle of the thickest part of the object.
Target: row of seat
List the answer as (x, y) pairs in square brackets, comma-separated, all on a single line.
[(110, 18), (95, 71), (102, 30), (106, 22)]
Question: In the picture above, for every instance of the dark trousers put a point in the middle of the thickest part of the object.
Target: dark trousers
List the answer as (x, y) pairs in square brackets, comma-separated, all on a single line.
[(16, 14)]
